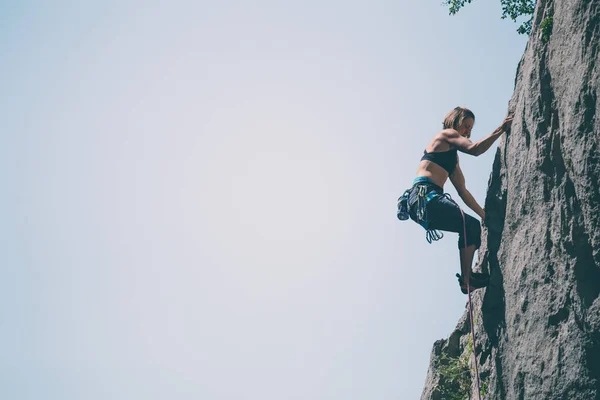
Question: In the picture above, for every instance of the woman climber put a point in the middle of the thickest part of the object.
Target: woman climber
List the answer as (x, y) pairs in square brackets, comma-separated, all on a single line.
[(426, 203)]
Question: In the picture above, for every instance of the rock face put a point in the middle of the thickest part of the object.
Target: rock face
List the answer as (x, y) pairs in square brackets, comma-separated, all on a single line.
[(538, 324)]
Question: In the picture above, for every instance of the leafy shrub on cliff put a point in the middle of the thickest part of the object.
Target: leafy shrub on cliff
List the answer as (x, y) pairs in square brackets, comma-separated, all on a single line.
[(455, 376)]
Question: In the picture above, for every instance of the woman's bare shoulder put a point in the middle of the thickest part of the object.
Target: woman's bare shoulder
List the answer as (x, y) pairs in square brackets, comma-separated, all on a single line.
[(440, 141), (448, 133)]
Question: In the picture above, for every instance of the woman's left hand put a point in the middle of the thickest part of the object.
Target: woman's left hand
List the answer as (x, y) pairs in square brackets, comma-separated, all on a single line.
[(507, 123)]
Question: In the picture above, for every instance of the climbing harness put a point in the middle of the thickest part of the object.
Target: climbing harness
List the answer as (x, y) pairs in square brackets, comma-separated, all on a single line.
[(403, 209), (421, 193)]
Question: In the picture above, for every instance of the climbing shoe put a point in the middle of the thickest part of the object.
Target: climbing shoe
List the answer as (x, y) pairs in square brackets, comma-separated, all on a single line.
[(478, 280)]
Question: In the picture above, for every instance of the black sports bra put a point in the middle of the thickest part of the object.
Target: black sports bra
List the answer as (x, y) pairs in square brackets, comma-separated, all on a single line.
[(445, 159)]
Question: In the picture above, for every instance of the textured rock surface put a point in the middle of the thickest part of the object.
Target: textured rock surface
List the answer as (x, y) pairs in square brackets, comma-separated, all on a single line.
[(538, 324)]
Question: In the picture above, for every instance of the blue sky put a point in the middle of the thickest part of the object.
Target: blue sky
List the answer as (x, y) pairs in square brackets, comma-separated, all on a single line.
[(199, 198)]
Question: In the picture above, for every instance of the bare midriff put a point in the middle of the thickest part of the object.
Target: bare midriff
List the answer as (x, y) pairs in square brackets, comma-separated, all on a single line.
[(433, 171)]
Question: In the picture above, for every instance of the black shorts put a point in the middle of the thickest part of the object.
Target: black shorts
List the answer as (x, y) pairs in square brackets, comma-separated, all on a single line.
[(445, 215)]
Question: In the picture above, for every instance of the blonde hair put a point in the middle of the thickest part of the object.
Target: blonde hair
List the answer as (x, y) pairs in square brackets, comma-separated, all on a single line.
[(455, 118)]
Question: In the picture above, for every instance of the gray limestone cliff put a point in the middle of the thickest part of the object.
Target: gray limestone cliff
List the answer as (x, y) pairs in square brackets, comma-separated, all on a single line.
[(538, 323)]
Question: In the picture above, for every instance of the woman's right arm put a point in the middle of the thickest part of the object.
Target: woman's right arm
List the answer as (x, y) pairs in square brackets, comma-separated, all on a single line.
[(475, 149)]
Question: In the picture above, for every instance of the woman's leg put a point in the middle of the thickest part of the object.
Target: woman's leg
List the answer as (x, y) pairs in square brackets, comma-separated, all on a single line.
[(445, 215), (466, 260)]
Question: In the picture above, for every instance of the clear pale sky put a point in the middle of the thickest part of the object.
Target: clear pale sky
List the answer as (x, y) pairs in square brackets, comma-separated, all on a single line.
[(199, 198)]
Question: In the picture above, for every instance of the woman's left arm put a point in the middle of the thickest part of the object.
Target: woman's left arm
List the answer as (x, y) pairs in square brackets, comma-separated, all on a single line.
[(458, 180)]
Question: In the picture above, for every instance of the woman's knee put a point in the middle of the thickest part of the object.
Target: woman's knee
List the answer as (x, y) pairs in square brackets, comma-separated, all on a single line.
[(473, 230)]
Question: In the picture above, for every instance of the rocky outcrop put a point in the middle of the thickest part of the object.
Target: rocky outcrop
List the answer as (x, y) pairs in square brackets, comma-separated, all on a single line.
[(538, 324)]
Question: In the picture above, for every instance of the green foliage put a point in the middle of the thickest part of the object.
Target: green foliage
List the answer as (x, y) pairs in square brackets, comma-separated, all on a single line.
[(515, 8), (546, 27), (455, 377), (454, 6), (484, 388), (512, 9)]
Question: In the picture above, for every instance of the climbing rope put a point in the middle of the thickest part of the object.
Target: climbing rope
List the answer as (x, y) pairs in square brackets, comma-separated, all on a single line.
[(471, 313)]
